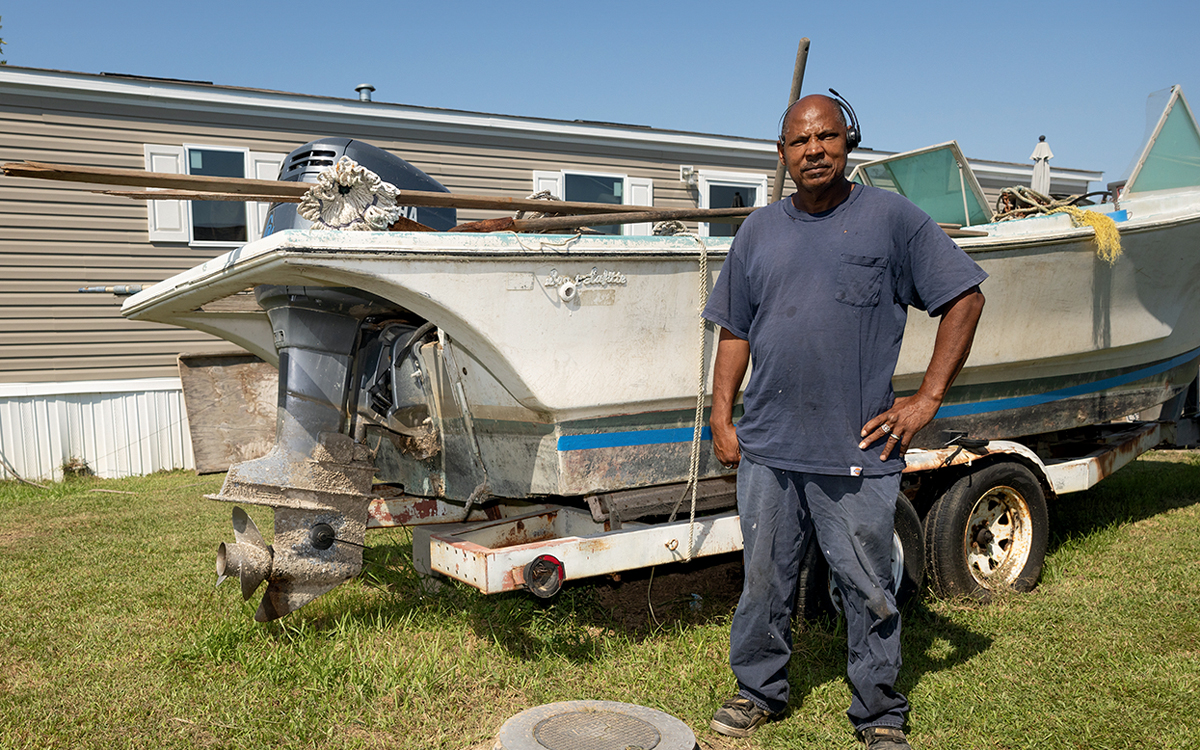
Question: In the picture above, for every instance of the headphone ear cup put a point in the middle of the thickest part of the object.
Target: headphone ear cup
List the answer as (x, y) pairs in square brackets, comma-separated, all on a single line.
[(852, 137)]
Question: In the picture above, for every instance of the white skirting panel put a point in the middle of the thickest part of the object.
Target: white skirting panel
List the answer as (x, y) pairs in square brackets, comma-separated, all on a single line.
[(118, 428)]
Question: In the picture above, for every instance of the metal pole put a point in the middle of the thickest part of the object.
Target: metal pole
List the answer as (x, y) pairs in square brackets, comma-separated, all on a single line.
[(797, 80)]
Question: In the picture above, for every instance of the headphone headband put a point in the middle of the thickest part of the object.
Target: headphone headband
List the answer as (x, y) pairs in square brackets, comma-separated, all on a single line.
[(853, 133)]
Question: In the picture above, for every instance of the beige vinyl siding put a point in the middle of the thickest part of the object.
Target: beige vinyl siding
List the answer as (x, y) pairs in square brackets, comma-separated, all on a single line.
[(57, 237)]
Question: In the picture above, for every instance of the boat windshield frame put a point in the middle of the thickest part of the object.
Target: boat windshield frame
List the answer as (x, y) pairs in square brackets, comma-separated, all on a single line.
[(1175, 98), (967, 182)]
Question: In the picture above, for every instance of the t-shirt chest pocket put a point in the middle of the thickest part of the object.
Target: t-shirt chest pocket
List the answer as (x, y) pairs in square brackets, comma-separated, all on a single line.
[(859, 280)]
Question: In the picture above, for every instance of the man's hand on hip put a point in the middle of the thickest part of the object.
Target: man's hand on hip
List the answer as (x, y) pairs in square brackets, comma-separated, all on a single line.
[(897, 425)]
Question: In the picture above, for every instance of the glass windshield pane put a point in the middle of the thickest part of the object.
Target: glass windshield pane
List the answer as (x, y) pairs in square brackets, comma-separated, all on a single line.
[(931, 180), (589, 188), (1174, 159), (729, 196), (218, 221)]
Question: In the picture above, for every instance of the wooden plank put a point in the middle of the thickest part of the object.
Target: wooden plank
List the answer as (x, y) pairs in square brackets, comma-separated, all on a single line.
[(230, 400), (278, 189), (196, 195), (626, 217)]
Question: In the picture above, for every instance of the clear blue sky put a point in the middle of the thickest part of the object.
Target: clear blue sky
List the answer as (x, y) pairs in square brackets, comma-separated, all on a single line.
[(992, 75)]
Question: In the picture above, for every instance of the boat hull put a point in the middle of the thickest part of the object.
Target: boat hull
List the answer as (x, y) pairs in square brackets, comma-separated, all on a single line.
[(569, 366)]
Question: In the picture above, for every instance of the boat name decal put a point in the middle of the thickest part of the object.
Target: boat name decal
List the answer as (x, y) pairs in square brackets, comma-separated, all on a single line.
[(595, 277)]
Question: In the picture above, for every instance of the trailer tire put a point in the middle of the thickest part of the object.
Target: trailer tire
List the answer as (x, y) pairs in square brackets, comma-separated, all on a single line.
[(987, 533), (816, 594)]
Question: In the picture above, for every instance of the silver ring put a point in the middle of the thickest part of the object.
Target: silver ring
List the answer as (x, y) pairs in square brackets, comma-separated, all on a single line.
[(885, 428)]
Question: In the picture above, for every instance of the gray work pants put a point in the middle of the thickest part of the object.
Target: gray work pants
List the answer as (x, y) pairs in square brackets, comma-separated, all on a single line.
[(852, 518)]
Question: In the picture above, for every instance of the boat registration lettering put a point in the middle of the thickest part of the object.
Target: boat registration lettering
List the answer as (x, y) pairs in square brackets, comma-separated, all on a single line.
[(595, 277)]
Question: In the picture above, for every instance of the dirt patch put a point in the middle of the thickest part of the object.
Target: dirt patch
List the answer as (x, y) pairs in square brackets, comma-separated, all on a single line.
[(10, 536), (693, 592)]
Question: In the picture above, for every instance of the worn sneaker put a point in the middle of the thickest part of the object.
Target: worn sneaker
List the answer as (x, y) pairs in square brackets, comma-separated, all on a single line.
[(884, 738), (738, 717)]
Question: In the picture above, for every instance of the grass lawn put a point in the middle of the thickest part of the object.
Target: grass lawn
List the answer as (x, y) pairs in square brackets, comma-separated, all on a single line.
[(112, 635)]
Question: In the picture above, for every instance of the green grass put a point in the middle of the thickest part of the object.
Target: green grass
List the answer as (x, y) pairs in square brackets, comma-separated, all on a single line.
[(112, 635)]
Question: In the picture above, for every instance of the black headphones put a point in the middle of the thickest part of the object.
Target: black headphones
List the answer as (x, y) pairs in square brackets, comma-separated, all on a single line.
[(853, 133)]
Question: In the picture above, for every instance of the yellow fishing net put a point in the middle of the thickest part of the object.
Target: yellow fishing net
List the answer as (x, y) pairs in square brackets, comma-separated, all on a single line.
[(1108, 237)]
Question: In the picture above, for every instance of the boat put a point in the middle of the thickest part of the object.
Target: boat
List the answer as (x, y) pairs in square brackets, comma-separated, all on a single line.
[(435, 377)]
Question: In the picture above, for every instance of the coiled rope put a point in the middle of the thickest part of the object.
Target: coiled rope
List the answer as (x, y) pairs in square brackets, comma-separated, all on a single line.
[(1021, 202)]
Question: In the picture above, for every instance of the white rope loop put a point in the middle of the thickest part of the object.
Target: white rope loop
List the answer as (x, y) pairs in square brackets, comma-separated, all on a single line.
[(697, 427)]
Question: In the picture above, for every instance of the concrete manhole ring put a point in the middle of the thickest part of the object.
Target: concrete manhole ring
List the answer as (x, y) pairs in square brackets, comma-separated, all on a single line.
[(594, 725)]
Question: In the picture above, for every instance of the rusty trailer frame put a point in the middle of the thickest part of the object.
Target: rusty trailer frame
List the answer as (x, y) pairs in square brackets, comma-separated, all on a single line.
[(542, 549)]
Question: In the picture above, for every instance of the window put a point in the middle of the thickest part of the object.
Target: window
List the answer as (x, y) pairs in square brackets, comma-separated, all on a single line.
[(217, 221), (728, 190), (208, 223), (594, 187)]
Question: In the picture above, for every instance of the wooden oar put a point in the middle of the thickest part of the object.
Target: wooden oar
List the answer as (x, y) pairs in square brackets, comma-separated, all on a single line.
[(275, 190), (732, 215), (592, 220)]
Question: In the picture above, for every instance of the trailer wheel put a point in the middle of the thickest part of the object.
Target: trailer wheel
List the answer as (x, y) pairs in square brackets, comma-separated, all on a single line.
[(988, 533), (817, 596)]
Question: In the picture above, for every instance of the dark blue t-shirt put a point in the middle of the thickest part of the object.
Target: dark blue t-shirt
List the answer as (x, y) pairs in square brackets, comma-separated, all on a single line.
[(822, 299)]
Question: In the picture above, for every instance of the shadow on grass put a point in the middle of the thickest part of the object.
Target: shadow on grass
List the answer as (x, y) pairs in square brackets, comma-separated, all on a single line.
[(1152, 485), (930, 643)]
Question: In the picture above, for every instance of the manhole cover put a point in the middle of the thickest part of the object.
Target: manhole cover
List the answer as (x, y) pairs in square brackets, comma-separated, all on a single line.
[(594, 725)]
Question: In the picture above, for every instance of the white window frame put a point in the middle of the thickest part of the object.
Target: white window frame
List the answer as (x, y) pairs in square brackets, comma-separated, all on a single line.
[(635, 191), (706, 178), (171, 221)]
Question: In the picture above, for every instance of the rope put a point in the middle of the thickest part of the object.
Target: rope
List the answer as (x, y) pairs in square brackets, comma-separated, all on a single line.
[(698, 422), (1108, 237), (1020, 202)]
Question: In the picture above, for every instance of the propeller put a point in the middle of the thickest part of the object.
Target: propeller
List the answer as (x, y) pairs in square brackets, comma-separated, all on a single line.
[(249, 558), (314, 552)]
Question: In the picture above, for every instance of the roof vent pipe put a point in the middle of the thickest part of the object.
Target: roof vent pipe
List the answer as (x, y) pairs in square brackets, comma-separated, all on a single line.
[(364, 91)]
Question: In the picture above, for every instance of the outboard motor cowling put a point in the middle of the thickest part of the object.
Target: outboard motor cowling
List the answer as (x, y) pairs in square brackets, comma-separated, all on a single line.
[(307, 162)]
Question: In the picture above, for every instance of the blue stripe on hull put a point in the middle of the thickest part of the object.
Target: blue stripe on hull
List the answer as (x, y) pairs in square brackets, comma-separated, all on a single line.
[(632, 438), (1017, 402)]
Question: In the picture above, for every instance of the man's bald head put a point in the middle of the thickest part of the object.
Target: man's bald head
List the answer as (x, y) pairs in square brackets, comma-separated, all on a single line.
[(805, 102)]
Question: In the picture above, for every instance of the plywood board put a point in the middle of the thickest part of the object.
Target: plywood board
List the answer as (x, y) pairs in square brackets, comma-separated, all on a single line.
[(230, 400)]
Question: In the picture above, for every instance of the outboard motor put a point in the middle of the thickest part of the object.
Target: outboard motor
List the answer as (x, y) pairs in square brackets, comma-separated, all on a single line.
[(308, 161), (317, 478)]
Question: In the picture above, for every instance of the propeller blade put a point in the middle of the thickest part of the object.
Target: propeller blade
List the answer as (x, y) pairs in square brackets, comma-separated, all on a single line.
[(284, 597), (245, 531)]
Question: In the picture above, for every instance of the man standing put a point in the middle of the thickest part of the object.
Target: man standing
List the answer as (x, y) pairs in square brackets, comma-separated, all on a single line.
[(815, 291)]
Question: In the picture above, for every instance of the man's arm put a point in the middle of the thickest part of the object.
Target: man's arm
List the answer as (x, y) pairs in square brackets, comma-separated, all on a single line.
[(733, 356), (909, 414)]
